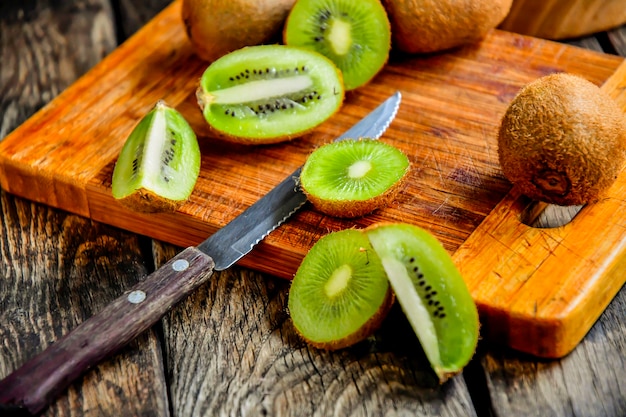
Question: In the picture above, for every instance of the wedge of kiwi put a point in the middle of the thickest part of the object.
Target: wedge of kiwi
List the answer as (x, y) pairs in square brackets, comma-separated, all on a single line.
[(159, 164), (269, 93), (340, 293), (562, 140), (354, 34), (431, 292), (350, 178)]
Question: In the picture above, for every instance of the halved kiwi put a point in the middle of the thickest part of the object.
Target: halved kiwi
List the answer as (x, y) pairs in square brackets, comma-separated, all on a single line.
[(340, 293), (431, 292), (159, 164), (350, 178), (354, 34), (269, 93)]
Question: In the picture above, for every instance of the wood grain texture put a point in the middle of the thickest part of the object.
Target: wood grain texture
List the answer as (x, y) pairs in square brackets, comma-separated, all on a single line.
[(588, 382), (563, 19), (59, 269), (447, 126)]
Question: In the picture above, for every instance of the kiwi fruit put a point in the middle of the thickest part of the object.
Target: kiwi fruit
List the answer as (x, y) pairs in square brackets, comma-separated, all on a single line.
[(159, 164), (350, 178), (348, 281), (269, 93), (431, 292), (340, 293), (354, 34), (217, 27), (436, 25), (562, 140)]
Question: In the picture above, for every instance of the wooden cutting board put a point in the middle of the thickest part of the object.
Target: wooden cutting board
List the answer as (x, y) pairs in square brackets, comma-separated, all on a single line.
[(452, 104)]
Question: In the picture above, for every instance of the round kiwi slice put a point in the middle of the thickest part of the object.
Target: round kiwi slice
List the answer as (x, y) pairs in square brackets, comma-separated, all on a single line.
[(340, 294), (350, 178), (159, 163), (431, 292), (562, 140), (354, 34), (269, 93)]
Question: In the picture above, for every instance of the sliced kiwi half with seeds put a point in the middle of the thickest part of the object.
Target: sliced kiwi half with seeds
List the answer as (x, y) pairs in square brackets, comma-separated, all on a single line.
[(159, 164), (355, 34), (350, 178), (431, 292), (269, 93), (340, 294)]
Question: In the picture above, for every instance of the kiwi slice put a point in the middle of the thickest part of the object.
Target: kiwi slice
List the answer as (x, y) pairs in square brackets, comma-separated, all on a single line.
[(269, 93), (350, 178), (159, 163), (354, 34), (431, 292), (340, 294)]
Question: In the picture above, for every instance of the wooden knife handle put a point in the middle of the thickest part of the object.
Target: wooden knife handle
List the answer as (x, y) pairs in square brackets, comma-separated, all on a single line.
[(36, 384)]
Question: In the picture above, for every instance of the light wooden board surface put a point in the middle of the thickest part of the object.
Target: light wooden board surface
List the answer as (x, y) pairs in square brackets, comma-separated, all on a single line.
[(452, 102)]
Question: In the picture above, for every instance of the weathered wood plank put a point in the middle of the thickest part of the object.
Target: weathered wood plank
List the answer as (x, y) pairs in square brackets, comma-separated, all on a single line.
[(58, 269), (44, 47), (231, 350)]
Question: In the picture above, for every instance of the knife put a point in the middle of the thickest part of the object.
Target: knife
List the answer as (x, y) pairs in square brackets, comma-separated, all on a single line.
[(33, 386)]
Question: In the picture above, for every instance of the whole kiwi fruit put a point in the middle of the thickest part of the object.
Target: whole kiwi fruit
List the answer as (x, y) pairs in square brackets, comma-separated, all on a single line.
[(216, 27), (422, 26), (562, 140)]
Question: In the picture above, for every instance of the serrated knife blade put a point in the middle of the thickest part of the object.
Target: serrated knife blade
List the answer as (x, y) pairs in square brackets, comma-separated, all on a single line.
[(33, 386), (237, 238)]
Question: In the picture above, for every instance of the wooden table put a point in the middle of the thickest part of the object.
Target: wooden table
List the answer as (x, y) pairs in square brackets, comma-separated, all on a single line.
[(230, 349)]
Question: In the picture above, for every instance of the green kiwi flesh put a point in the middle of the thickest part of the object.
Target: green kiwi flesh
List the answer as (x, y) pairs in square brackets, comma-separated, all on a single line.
[(340, 293), (350, 178), (269, 93), (431, 292), (159, 164), (355, 34)]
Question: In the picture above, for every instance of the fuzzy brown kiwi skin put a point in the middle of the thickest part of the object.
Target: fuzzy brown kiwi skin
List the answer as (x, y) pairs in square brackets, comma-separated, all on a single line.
[(365, 331), (562, 140), (437, 25), (217, 27), (348, 209), (148, 202)]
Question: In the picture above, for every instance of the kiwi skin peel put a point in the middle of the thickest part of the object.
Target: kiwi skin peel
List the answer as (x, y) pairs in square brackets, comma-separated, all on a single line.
[(562, 140)]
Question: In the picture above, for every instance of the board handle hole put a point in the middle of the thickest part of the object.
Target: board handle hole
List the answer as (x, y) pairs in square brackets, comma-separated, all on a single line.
[(545, 215)]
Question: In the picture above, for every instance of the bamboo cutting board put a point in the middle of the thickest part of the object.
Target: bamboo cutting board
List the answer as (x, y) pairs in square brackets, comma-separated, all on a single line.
[(452, 104)]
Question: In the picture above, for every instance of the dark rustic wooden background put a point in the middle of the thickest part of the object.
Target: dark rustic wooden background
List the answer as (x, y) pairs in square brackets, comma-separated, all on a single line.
[(229, 349)]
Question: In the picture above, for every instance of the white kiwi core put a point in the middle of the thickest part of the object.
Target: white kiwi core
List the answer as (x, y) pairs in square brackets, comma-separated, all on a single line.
[(155, 141), (338, 281), (260, 89), (340, 36), (414, 308), (359, 169)]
